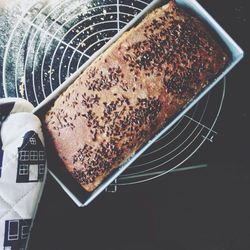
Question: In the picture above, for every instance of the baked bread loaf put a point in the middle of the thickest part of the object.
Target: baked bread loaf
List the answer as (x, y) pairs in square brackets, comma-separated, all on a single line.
[(128, 93)]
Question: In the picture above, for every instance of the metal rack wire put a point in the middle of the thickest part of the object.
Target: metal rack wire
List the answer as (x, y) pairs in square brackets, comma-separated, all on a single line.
[(52, 39)]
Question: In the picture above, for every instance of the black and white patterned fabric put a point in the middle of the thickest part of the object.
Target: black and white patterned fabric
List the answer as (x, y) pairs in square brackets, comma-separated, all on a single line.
[(22, 171)]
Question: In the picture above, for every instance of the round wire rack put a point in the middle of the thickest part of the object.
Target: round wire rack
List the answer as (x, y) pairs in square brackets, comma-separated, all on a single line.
[(51, 39)]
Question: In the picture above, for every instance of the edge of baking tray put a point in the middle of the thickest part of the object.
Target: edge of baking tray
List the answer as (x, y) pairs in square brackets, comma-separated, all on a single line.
[(192, 5)]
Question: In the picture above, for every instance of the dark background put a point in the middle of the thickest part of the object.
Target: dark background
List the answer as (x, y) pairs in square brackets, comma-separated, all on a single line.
[(203, 209)]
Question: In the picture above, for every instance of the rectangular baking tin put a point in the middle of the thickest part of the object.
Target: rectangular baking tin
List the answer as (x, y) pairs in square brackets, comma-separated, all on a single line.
[(195, 8)]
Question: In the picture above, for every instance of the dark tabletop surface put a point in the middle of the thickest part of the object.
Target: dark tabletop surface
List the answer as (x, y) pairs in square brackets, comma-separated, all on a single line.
[(203, 209)]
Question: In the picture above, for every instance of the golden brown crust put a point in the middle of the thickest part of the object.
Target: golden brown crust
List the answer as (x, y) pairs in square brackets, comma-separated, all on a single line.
[(129, 92)]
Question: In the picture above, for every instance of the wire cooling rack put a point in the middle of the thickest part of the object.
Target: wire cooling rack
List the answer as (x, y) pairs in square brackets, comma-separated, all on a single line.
[(49, 40)]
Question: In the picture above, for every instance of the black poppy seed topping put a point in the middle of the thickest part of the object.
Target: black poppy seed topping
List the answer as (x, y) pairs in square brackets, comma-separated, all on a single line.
[(176, 42), (98, 80), (121, 121), (89, 100), (95, 161), (64, 121)]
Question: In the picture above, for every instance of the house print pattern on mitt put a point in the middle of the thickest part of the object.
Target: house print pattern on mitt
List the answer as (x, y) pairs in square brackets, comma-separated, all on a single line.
[(31, 159), (16, 234), (22, 171)]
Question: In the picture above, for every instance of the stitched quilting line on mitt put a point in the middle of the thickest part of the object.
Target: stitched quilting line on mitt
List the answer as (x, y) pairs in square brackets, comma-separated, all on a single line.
[(19, 200), (6, 202), (18, 214), (15, 211)]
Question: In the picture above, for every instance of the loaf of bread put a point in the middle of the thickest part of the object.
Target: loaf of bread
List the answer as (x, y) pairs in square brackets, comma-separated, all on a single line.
[(129, 92)]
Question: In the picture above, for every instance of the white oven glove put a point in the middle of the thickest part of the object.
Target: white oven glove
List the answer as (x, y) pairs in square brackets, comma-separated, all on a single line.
[(22, 171)]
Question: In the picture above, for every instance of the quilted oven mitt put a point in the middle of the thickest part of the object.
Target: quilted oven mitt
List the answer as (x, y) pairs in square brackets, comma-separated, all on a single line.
[(22, 171)]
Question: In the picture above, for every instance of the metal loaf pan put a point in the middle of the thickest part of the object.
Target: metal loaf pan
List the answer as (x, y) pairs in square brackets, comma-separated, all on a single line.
[(70, 186)]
